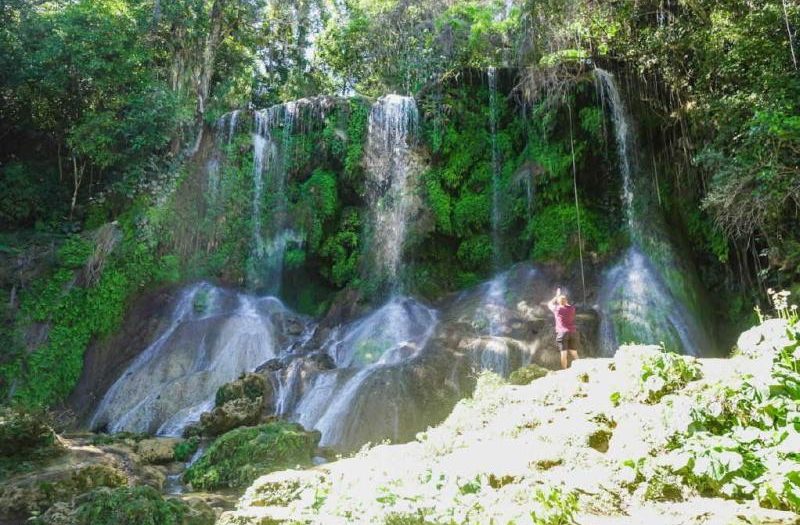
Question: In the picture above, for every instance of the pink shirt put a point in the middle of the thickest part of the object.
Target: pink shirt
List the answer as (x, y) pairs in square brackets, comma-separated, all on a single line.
[(565, 318)]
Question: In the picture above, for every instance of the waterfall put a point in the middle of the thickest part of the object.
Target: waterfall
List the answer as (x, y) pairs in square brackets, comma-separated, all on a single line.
[(271, 157), (492, 73), (393, 123), (626, 146), (365, 351), (213, 337), (637, 302)]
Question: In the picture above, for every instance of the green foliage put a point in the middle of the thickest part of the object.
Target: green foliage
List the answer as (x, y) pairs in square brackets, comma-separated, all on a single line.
[(740, 442), (185, 449), (666, 373), (554, 507), (141, 505), (342, 249), (554, 231), (238, 457), (75, 314), (25, 432)]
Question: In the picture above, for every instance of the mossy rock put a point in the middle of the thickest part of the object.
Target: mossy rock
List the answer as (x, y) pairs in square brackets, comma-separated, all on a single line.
[(238, 457), (40, 490), (249, 386), (527, 374)]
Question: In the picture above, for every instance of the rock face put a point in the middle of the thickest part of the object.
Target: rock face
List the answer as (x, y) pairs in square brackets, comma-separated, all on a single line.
[(554, 448)]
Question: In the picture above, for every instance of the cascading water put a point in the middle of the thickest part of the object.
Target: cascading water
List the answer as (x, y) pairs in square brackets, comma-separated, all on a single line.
[(270, 157), (348, 404), (492, 74), (393, 122), (214, 336), (636, 302), (341, 403)]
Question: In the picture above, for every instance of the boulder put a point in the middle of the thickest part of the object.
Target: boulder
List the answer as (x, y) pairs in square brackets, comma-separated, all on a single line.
[(232, 414), (157, 451)]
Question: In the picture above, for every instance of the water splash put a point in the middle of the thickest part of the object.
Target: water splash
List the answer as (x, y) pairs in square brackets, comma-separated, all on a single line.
[(393, 123)]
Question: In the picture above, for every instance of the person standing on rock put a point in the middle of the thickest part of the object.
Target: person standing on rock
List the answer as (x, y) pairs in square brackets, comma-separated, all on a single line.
[(567, 337)]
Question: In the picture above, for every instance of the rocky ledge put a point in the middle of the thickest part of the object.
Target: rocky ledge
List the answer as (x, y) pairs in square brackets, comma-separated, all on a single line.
[(644, 438)]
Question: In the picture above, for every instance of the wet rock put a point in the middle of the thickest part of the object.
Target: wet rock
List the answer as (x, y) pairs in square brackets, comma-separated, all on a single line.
[(321, 361), (273, 365), (243, 402), (232, 414)]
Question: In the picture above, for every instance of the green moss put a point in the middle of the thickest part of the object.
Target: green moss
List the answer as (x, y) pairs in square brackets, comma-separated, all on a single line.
[(527, 374), (554, 231), (238, 457)]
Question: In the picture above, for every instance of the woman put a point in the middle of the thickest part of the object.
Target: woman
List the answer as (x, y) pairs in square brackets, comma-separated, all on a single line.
[(567, 337)]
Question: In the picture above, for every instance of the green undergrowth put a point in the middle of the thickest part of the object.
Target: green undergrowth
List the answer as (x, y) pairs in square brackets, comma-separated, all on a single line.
[(136, 506), (238, 457), (527, 374), (26, 439), (742, 442), (84, 297)]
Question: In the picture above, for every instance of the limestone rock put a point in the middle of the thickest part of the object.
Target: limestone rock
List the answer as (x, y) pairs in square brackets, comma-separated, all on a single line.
[(157, 451)]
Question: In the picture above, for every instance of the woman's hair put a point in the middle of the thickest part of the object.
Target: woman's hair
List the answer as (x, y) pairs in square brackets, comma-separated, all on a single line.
[(563, 300)]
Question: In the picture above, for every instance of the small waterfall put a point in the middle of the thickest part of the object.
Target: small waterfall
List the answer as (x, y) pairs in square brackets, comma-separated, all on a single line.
[(393, 124), (270, 157), (213, 337), (376, 346), (637, 303), (496, 249), (626, 145)]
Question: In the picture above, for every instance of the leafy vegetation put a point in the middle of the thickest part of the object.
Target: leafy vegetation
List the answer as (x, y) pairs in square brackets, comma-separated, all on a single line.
[(665, 373), (136, 506)]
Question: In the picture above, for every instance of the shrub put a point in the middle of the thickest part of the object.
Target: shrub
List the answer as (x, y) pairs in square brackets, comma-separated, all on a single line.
[(24, 432), (185, 449)]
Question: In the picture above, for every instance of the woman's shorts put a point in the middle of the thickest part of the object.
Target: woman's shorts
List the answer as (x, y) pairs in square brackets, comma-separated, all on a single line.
[(568, 341)]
